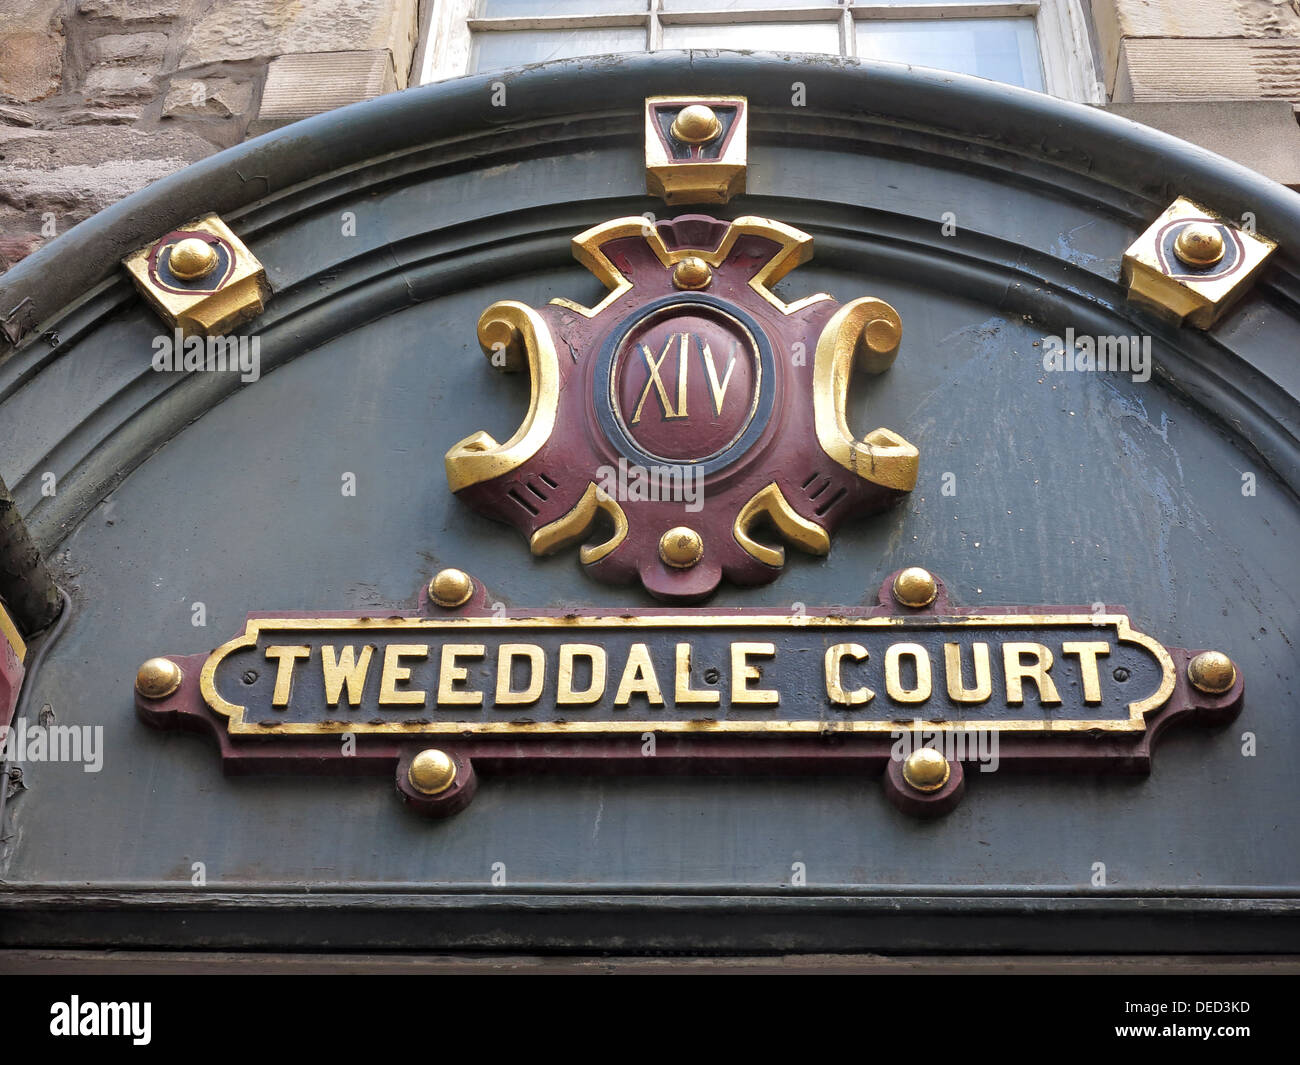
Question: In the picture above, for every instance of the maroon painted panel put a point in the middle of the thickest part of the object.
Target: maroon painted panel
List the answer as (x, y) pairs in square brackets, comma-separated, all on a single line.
[(643, 383)]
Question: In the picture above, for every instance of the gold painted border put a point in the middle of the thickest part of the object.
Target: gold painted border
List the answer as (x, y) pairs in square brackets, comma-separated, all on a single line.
[(574, 526), (1125, 632), (795, 249), (480, 457), (882, 456)]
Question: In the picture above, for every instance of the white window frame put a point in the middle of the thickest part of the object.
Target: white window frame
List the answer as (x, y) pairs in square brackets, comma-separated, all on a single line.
[(1065, 44)]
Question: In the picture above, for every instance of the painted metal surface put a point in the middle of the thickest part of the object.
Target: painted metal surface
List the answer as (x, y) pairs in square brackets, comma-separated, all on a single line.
[(1070, 487)]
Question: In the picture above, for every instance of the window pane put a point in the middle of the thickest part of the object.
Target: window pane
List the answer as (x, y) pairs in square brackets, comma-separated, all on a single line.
[(537, 8), (764, 36), (741, 5), (1003, 49), (496, 50)]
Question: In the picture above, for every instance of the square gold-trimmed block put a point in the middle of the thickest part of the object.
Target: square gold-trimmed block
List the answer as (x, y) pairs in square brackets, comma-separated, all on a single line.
[(1192, 264), (13, 650), (696, 147), (9, 634), (200, 277)]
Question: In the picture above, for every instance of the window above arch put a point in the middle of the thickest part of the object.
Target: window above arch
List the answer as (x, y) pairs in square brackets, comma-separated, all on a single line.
[(1044, 45)]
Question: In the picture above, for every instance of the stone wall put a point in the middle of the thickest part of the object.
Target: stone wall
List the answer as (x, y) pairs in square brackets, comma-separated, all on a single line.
[(1160, 50), (1190, 66), (98, 98)]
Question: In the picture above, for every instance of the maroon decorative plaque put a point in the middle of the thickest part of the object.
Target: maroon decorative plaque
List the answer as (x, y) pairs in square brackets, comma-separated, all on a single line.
[(692, 423)]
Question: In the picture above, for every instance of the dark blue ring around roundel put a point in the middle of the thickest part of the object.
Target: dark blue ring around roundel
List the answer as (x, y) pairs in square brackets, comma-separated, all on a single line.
[(602, 386), (1178, 269), (207, 283)]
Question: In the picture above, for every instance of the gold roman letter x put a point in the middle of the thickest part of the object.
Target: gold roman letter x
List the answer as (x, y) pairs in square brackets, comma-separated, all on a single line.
[(655, 381)]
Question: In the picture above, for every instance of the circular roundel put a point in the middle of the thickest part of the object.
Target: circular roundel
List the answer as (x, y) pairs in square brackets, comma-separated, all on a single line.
[(686, 381), (1230, 252), (215, 273)]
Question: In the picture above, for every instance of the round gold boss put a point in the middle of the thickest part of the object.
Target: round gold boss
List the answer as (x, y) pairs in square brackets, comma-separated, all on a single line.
[(192, 258), (915, 587), (1200, 244), (432, 772), (681, 547), (158, 678), (696, 124), (1212, 672), (692, 273), (451, 588), (926, 769)]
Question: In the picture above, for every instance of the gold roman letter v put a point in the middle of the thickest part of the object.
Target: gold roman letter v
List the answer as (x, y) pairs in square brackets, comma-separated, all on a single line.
[(719, 390)]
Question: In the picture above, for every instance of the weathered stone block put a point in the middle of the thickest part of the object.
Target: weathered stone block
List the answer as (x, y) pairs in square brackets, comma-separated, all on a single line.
[(207, 97), (129, 47), (1259, 134), (30, 65), (113, 82), (1153, 69), (53, 179), (16, 116), (246, 29), (15, 246), (1153, 21), (89, 167), (298, 86), (130, 10), (31, 49), (101, 116)]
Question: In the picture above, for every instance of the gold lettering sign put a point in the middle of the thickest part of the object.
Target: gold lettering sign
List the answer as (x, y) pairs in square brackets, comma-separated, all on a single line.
[(738, 673), (453, 686)]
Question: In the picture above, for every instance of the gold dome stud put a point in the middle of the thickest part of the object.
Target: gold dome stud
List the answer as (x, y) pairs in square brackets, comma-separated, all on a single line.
[(926, 769), (1212, 672), (432, 772), (158, 678), (692, 273), (681, 547), (1200, 244), (192, 258), (696, 124), (451, 588), (915, 587)]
